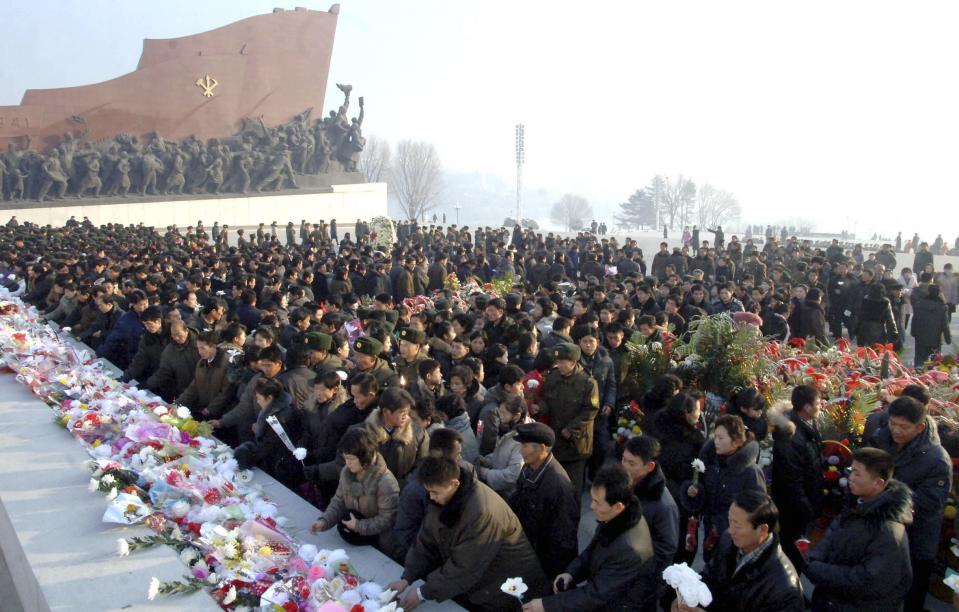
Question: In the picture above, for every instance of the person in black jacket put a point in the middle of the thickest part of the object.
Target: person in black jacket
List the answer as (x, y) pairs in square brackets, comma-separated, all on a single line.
[(862, 563), (797, 467), (730, 461), (749, 404), (924, 466), (812, 318), (675, 427), (876, 322), (108, 315), (641, 460), (267, 450), (150, 348), (544, 500), (750, 572), (930, 324), (617, 570)]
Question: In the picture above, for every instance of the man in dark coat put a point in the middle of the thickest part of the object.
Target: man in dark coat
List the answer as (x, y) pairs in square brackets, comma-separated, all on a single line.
[(437, 273), (930, 324), (617, 570), (120, 346), (149, 348), (749, 571), (469, 545), (544, 501), (597, 363), (177, 363), (862, 563), (641, 460), (571, 401), (797, 467), (924, 466), (208, 392), (812, 318)]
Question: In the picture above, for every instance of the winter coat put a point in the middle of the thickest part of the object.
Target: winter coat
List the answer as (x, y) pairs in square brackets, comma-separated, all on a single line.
[(571, 403), (768, 583), (924, 466), (812, 321), (505, 464), (930, 322), (876, 323), (461, 424), (313, 420), (549, 512), (147, 358), (475, 400), (757, 426), (724, 479), (680, 443), (797, 468), (662, 516), (413, 503), (298, 382), (209, 389), (401, 448), (617, 569), (266, 450), (600, 367), (403, 285), (326, 462), (175, 372), (469, 547), (437, 276), (384, 374), (487, 423), (554, 338), (375, 496), (104, 323), (242, 415), (862, 562)]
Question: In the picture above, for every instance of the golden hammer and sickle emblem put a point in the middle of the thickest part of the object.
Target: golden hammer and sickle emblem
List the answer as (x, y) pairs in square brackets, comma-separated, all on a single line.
[(208, 84)]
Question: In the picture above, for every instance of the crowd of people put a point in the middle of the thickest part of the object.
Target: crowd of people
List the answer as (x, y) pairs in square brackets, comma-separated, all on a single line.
[(460, 440)]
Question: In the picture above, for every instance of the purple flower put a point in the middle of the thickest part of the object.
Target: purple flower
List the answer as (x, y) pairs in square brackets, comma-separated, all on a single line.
[(200, 574)]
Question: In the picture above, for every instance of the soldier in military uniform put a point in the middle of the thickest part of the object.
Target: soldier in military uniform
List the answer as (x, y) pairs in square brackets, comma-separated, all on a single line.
[(412, 353), (571, 401), (366, 354), (320, 358), (755, 268)]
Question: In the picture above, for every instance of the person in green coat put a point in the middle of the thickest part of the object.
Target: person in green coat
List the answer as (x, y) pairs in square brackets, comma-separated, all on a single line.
[(571, 401)]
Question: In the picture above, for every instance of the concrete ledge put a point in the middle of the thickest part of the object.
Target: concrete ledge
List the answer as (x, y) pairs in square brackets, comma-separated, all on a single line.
[(342, 202)]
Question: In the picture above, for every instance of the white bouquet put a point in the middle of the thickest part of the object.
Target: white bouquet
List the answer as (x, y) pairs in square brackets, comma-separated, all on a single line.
[(688, 585)]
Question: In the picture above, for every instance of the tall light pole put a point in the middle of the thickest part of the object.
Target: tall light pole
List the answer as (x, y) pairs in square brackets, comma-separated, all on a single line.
[(520, 158), (457, 209)]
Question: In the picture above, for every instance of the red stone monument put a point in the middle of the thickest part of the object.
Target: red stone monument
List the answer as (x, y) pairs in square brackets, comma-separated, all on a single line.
[(268, 67)]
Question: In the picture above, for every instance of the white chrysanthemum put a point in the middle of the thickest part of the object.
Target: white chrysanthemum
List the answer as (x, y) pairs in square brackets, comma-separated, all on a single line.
[(123, 547), (154, 588), (515, 587)]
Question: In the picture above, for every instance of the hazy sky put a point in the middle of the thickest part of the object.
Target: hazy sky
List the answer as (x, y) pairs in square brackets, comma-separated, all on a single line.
[(847, 112)]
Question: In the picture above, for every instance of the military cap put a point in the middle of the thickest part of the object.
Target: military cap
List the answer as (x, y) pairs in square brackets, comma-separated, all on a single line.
[(368, 346), (537, 433), (566, 350), (318, 341), (413, 335)]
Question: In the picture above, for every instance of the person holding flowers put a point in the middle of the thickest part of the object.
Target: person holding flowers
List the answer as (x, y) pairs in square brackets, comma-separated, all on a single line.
[(730, 469), (750, 572)]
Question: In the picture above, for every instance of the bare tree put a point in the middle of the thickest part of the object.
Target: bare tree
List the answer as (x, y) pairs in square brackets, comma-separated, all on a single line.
[(375, 159), (572, 212), (416, 180), (717, 207), (677, 198)]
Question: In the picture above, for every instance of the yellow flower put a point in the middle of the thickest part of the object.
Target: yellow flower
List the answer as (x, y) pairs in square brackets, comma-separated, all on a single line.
[(96, 443), (265, 551), (950, 512), (636, 429)]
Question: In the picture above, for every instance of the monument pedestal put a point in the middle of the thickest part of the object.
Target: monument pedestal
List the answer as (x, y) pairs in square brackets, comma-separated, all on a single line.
[(345, 203)]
